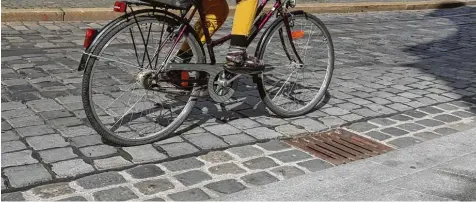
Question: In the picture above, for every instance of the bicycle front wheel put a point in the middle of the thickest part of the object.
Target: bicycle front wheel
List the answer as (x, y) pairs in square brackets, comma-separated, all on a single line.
[(295, 79), (117, 84)]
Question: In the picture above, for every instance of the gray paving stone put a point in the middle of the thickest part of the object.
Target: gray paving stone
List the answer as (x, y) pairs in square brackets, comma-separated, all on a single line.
[(144, 153), (115, 194), (44, 105), (404, 142), (378, 135), (348, 106), (98, 150), (6, 126), (50, 115), (15, 196), (222, 129), (52, 190), (179, 149), (310, 124), (7, 106), (175, 139), (274, 145), (17, 113), (61, 123), (192, 177), (260, 163), (290, 156), (71, 168), (27, 175), (412, 127), (382, 121), (101, 180), (287, 172), (244, 123), (431, 110), (334, 111), (445, 131), (361, 127), (315, 165), (55, 155), (246, 151), (46, 142), (426, 135), (394, 131), (463, 114), (351, 117), (447, 118), (359, 101), (18, 158), (415, 114), (262, 133), (12, 146), (332, 121), (259, 178), (226, 186), (430, 122), (400, 117), (111, 163), (227, 168), (155, 199), (194, 194), (290, 130), (216, 157), (271, 121), (150, 187), (74, 198), (446, 107), (76, 131), (21, 122), (35, 130), (4, 186), (238, 139), (183, 164), (145, 171), (9, 136), (399, 106), (82, 141), (205, 141)]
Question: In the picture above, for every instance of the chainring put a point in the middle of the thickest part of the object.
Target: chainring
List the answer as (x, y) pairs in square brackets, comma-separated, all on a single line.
[(220, 93)]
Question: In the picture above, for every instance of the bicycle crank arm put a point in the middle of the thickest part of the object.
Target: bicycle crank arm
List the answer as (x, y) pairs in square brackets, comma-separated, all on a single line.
[(212, 70)]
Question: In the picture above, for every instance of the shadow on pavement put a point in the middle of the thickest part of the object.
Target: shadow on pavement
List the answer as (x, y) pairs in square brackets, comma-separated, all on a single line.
[(453, 58)]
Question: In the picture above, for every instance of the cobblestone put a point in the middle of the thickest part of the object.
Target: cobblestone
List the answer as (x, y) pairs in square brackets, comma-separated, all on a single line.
[(315, 165), (412, 127), (46, 142), (246, 151), (183, 164), (115, 194), (145, 171), (259, 178), (362, 127), (35, 130), (15, 196), (52, 190), (111, 163), (290, 156), (190, 195), (445, 131), (223, 129), (226, 186), (18, 158), (25, 121), (287, 171), (447, 118), (310, 125), (260, 163), (179, 149), (150, 187), (44, 105), (192, 177), (404, 142), (227, 168), (74, 198), (274, 145), (394, 131), (59, 154), (12, 146), (27, 175), (431, 110), (205, 141), (216, 157), (144, 153), (101, 180), (262, 133), (71, 168), (289, 130), (238, 139), (426, 135)]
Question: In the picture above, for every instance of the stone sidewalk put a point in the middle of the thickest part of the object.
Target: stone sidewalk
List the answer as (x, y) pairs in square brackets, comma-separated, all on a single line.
[(400, 78)]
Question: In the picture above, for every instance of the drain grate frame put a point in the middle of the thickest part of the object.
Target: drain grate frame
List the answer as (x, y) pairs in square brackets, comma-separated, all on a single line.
[(339, 146)]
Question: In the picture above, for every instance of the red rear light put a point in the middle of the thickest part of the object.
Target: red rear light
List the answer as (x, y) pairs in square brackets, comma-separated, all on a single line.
[(120, 6), (90, 34)]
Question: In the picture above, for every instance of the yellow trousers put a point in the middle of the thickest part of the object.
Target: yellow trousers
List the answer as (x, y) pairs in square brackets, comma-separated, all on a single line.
[(216, 12)]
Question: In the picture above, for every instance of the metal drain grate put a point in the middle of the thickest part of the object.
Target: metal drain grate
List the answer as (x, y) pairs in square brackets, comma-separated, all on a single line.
[(339, 146)]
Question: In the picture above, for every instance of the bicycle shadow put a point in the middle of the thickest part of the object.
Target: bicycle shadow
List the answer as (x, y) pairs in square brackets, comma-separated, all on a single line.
[(451, 59)]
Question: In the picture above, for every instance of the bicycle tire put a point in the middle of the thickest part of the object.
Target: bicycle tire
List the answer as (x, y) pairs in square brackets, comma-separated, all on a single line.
[(91, 114), (260, 53)]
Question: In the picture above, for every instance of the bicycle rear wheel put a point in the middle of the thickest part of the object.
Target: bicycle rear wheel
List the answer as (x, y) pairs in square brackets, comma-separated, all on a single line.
[(117, 95), (294, 82)]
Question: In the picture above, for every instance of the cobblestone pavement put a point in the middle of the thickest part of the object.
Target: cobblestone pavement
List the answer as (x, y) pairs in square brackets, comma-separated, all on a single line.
[(108, 3), (400, 78)]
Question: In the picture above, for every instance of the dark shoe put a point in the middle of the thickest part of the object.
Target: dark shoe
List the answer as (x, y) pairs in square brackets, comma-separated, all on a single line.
[(237, 61)]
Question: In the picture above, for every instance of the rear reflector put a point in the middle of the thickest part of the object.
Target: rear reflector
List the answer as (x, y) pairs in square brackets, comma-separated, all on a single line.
[(90, 34), (120, 6), (184, 76), (297, 34)]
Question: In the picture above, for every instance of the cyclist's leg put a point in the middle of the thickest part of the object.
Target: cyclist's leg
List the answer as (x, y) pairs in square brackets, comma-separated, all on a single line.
[(244, 17), (216, 12)]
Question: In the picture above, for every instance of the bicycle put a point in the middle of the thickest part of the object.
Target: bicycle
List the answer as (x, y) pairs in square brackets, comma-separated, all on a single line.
[(164, 104)]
